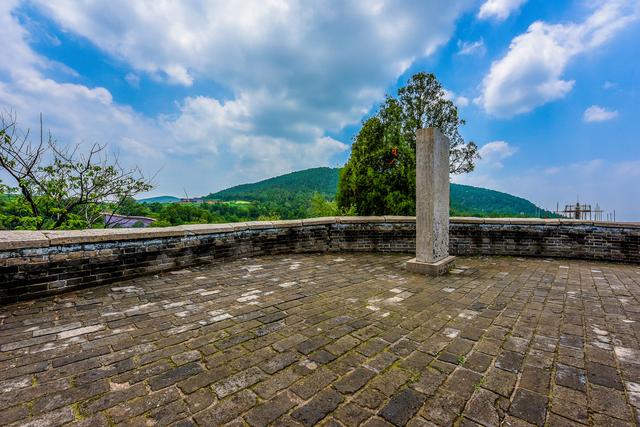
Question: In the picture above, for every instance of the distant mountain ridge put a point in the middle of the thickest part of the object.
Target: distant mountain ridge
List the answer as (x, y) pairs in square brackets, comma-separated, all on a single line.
[(465, 199), (322, 180), (160, 199)]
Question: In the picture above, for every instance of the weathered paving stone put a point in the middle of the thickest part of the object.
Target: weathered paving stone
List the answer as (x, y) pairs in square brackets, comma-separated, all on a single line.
[(483, 408), (566, 340), (603, 375), (529, 406), (317, 408), (237, 382), (509, 361), (354, 380), (404, 405), (269, 411), (499, 381), (322, 356), (571, 377), (174, 375), (351, 414), (228, 409), (313, 383), (609, 402), (279, 362)]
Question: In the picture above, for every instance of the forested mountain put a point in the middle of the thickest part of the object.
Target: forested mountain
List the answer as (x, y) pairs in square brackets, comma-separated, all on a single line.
[(159, 199), (309, 181), (293, 188)]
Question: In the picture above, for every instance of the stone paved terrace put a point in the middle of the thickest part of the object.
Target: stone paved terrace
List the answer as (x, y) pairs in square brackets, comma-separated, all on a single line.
[(338, 339)]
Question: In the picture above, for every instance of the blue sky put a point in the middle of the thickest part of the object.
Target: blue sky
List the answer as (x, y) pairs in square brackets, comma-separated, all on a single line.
[(212, 94)]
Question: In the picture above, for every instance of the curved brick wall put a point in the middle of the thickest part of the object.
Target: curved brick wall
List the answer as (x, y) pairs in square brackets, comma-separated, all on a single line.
[(34, 263)]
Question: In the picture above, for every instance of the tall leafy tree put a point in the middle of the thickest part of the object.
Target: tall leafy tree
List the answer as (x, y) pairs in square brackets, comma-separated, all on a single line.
[(63, 187), (379, 177)]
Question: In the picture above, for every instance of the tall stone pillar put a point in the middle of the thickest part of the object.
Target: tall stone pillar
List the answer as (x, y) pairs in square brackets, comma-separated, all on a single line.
[(432, 204)]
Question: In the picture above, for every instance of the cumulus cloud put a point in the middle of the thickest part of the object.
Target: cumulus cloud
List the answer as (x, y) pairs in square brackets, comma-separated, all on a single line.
[(470, 48), (531, 73), (499, 9), (296, 72), (493, 153), (458, 100), (596, 113)]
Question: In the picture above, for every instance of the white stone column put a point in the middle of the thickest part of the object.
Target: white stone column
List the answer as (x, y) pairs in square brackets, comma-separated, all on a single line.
[(432, 204)]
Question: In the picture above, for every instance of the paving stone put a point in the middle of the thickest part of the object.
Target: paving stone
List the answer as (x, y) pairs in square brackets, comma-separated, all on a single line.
[(273, 384), (317, 408), (509, 361), (163, 353), (313, 383), (571, 377), (227, 409), (174, 375), (269, 411), (483, 408), (604, 375), (609, 402), (237, 382), (535, 379), (322, 356), (132, 408), (529, 406), (279, 362), (351, 414), (444, 408), (402, 406), (499, 381), (354, 380)]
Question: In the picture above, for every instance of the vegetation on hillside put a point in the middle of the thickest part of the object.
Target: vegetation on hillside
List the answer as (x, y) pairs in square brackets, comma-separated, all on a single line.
[(308, 194)]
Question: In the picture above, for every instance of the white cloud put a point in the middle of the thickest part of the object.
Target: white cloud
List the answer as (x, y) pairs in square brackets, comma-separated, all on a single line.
[(458, 100), (470, 48), (499, 9), (596, 113), (628, 169), (608, 85), (493, 153), (133, 79), (296, 73), (531, 73)]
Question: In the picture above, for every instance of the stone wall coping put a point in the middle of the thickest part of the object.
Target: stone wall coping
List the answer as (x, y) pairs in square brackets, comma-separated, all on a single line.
[(320, 221), (197, 229), (67, 237), (22, 239), (361, 219)]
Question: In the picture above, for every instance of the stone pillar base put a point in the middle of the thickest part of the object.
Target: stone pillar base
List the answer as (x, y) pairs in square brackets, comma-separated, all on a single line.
[(437, 268)]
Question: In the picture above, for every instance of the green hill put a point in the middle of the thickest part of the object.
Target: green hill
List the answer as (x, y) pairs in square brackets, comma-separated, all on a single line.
[(159, 199), (289, 189), (476, 201), (321, 180)]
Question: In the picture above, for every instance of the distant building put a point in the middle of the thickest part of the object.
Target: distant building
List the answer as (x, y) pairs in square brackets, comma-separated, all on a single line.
[(192, 200), (124, 221)]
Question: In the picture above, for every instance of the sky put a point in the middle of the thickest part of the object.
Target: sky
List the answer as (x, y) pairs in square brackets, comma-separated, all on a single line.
[(204, 95)]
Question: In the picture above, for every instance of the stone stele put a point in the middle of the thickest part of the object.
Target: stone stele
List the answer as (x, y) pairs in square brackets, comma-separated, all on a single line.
[(432, 204)]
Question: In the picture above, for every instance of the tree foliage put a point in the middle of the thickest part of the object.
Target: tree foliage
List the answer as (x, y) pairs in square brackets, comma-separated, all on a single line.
[(379, 177), (61, 187)]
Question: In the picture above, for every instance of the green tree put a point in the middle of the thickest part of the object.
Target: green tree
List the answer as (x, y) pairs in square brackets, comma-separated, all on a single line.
[(379, 177), (319, 206), (63, 187)]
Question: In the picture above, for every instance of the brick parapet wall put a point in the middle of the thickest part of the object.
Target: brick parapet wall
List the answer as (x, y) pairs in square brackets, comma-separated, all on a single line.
[(36, 263)]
